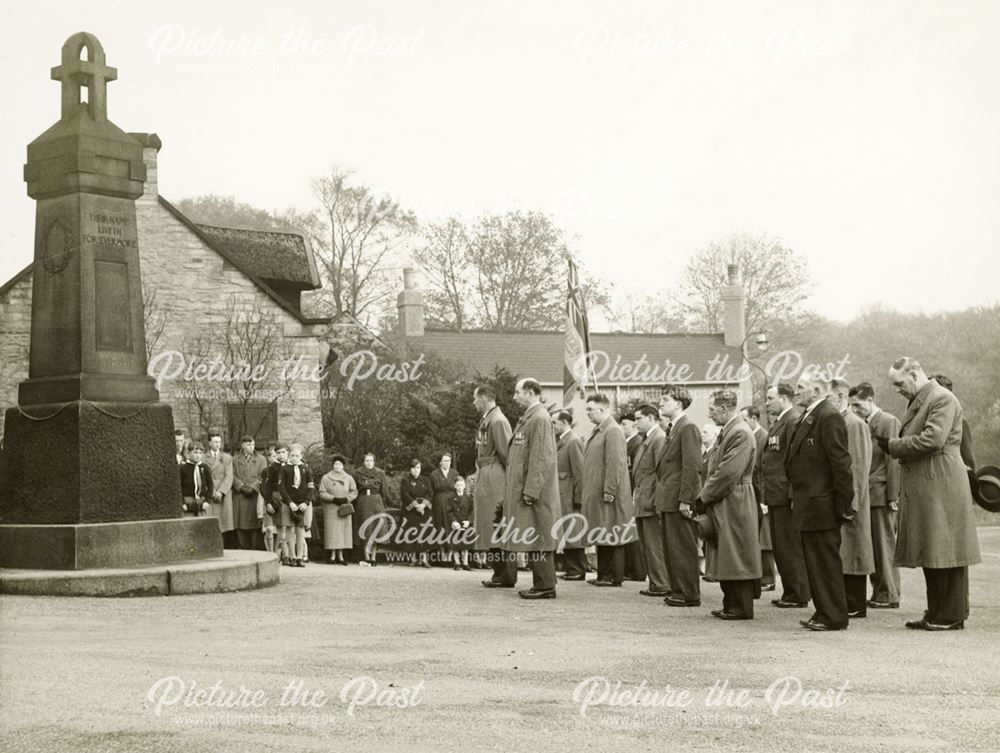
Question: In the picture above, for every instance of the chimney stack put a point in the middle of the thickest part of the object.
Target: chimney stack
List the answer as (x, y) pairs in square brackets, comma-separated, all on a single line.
[(150, 146), (410, 306), (734, 326)]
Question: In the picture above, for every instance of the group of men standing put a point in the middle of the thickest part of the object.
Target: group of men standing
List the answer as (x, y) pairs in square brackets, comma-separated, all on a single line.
[(821, 489)]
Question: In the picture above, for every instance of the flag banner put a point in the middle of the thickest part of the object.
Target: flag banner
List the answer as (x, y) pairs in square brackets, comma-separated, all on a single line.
[(577, 348)]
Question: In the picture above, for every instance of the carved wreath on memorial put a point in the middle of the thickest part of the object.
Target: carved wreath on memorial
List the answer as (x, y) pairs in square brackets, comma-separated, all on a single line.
[(59, 247)]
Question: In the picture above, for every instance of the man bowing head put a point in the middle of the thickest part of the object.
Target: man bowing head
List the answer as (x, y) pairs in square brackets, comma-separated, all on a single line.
[(531, 493)]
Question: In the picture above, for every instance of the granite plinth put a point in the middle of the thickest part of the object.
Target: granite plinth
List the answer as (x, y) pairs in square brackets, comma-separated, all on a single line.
[(84, 462), (235, 571), (97, 545)]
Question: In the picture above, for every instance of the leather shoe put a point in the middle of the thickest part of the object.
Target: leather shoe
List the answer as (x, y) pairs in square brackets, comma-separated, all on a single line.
[(494, 584), (647, 592), (859, 615), (533, 594), (767, 587), (883, 604), (958, 625), (674, 602), (819, 626), (716, 612), (782, 604), (604, 583), (724, 615), (917, 624), (572, 577)]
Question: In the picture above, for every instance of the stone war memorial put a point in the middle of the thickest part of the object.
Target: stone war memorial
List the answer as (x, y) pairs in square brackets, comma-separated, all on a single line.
[(90, 499)]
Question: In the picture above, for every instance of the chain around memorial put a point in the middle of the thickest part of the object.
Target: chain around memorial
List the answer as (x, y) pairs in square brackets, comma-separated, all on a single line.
[(95, 406)]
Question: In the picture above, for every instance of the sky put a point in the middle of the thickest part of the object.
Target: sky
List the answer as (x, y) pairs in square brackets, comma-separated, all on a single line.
[(863, 135)]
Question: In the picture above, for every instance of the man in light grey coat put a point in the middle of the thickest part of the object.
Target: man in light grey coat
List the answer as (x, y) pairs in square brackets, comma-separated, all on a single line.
[(936, 527)]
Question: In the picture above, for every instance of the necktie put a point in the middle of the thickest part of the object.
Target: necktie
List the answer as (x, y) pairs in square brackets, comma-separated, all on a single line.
[(297, 478), (197, 481)]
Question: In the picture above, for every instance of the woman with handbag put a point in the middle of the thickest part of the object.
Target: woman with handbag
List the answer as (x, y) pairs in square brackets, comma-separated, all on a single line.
[(337, 492)]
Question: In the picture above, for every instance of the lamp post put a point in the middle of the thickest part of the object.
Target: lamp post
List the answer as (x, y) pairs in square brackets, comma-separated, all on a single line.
[(760, 339)]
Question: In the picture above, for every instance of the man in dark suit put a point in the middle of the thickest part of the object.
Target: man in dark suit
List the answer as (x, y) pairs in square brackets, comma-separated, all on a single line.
[(644, 480), (822, 492), (678, 483), (785, 538), (635, 564), (883, 490)]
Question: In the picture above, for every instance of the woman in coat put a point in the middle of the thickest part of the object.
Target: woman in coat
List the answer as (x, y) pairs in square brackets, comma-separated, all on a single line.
[(337, 488), (415, 505), (443, 487), (372, 491)]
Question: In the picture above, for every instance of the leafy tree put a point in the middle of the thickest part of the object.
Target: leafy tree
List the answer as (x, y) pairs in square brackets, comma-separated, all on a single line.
[(775, 280), (226, 211)]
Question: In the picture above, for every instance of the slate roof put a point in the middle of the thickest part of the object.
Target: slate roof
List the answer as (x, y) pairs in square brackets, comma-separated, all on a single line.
[(540, 354), (271, 254)]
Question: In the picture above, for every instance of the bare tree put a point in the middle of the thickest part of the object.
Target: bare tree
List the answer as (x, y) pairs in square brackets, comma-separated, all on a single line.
[(155, 315), (253, 350), (356, 234)]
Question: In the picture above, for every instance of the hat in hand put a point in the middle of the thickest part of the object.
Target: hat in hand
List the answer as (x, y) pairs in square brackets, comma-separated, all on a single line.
[(987, 491)]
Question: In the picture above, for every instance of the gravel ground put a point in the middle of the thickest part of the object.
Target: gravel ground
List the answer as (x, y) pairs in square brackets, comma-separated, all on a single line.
[(484, 670)]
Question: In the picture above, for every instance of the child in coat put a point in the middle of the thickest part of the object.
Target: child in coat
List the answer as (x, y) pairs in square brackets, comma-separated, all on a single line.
[(460, 522), (297, 492), (196, 481)]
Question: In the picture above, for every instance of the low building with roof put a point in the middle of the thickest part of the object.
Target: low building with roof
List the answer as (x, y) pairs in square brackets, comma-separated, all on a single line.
[(626, 365), (212, 295)]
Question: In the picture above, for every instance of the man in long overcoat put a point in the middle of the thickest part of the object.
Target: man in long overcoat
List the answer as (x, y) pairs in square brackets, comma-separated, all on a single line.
[(821, 485), (569, 462), (492, 440), (857, 555), (221, 465), (607, 493), (733, 558), (531, 498), (936, 527)]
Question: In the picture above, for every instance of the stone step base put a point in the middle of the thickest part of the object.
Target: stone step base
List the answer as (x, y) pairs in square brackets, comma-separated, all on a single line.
[(234, 571)]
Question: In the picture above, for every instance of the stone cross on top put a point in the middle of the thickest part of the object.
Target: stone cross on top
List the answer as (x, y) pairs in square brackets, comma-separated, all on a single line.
[(91, 72)]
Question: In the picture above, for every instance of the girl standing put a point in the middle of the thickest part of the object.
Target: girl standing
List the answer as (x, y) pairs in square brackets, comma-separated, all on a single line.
[(460, 525)]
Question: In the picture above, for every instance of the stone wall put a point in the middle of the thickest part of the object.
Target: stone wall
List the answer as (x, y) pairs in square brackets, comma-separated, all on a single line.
[(15, 335), (202, 304)]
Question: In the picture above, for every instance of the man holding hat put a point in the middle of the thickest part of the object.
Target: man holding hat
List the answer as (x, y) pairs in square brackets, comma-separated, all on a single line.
[(936, 527)]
